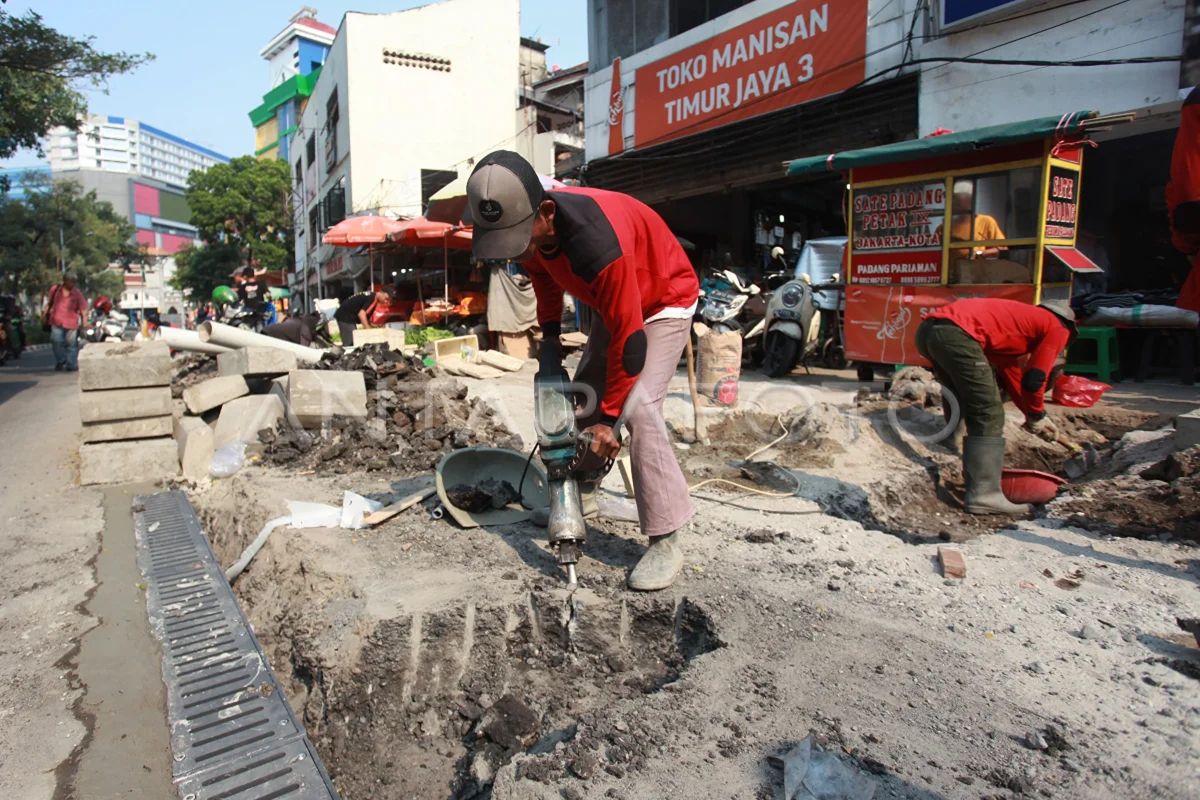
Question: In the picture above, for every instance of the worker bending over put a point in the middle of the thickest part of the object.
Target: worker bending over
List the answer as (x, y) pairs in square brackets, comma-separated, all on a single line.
[(617, 256), (965, 340)]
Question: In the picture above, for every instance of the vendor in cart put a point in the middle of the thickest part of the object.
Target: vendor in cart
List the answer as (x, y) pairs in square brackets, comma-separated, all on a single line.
[(972, 343), (968, 226)]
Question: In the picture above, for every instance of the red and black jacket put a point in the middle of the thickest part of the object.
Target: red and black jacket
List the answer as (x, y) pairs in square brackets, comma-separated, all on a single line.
[(618, 256), (1009, 330)]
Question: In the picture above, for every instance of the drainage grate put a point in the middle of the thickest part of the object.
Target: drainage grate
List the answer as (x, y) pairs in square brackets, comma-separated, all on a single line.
[(233, 735)]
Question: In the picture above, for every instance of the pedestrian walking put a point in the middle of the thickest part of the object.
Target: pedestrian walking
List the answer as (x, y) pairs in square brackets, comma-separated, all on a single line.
[(968, 339), (64, 316)]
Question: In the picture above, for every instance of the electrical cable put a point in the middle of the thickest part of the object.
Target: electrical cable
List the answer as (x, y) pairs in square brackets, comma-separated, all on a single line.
[(1030, 62), (528, 461)]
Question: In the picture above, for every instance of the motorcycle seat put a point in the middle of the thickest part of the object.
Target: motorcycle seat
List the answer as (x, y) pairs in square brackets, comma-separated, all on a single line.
[(744, 288)]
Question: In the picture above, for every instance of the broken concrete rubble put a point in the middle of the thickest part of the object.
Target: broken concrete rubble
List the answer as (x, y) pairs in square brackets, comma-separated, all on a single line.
[(124, 365), (194, 443), (241, 419), (315, 396), (110, 405), (128, 461), (118, 430), (214, 392), (257, 361)]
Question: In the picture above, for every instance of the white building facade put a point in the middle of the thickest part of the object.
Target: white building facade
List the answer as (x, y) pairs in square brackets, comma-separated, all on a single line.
[(118, 144), (405, 103)]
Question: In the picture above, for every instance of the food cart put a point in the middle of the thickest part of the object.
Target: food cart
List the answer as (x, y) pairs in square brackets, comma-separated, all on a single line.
[(1007, 194)]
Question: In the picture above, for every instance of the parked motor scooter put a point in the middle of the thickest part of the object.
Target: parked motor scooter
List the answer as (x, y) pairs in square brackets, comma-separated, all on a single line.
[(728, 303), (788, 327)]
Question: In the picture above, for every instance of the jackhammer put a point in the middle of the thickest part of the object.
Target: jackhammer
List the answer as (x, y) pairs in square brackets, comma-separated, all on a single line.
[(563, 449)]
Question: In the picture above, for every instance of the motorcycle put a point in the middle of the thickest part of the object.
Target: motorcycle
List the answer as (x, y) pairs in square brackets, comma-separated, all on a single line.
[(12, 329), (105, 327), (727, 303), (238, 315), (788, 329)]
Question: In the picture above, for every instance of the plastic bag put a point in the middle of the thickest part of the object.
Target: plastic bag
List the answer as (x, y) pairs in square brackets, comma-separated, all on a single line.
[(227, 460), (1076, 391), (354, 508)]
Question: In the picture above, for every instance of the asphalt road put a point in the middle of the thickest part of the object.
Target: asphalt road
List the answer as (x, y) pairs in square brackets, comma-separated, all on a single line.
[(81, 700)]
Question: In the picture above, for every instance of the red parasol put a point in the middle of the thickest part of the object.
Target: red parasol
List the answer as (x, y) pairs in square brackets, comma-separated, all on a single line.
[(355, 231)]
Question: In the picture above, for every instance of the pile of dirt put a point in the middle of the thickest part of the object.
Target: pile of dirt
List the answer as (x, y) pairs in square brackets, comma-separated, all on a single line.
[(413, 419), (190, 369), (1158, 501)]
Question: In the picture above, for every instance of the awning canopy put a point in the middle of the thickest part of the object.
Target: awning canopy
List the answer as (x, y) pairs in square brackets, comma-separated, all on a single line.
[(1073, 259), (946, 144)]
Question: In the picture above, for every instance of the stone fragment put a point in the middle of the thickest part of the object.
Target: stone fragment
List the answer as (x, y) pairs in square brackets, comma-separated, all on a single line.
[(124, 365), (214, 392), (127, 462)]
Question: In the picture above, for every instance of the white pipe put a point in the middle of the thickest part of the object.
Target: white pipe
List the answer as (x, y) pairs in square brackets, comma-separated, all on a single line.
[(228, 336), (182, 339)]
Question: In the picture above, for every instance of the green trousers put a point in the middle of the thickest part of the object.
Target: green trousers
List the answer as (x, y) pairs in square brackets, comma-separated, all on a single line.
[(961, 367)]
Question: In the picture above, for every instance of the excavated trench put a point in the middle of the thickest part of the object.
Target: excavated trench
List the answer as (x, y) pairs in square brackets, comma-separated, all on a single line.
[(433, 702), (880, 464)]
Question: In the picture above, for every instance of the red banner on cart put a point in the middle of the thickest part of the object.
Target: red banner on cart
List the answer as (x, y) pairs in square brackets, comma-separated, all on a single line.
[(911, 267), (797, 53), (881, 321)]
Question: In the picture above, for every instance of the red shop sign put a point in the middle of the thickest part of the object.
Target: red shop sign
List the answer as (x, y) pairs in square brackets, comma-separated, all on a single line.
[(797, 53)]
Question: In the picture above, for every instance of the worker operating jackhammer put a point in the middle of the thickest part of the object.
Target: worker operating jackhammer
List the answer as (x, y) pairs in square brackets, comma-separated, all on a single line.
[(616, 255), (965, 341)]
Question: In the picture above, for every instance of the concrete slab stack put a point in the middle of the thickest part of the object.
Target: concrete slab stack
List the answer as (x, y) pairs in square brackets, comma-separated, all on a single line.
[(126, 410)]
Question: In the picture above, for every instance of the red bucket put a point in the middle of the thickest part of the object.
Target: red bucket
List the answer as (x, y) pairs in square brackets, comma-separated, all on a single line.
[(1029, 485)]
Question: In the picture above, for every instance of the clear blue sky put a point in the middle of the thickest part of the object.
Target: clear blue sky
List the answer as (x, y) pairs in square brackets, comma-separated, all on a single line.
[(207, 73)]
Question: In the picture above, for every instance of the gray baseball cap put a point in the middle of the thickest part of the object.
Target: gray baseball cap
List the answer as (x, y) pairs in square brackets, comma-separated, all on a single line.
[(503, 195), (1061, 308)]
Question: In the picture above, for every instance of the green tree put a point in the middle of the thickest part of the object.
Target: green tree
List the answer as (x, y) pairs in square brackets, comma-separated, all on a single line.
[(245, 204), (199, 270), (39, 72), (59, 225)]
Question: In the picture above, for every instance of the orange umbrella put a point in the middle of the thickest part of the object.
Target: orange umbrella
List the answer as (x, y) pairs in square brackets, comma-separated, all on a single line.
[(353, 231), (422, 232)]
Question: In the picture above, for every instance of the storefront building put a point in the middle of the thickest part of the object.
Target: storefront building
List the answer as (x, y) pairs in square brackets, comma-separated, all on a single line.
[(693, 107)]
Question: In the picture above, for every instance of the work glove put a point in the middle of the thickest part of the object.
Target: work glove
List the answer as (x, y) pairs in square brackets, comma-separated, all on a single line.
[(1043, 427)]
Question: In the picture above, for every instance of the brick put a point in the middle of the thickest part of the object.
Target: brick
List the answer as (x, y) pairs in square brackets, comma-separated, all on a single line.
[(109, 405), (127, 462), (315, 395), (268, 361), (954, 564), (214, 392), (1187, 430), (144, 428), (194, 447), (243, 418), (124, 365)]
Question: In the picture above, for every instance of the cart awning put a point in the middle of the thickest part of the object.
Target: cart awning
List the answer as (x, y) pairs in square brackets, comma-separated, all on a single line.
[(946, 144), (1074, 260)]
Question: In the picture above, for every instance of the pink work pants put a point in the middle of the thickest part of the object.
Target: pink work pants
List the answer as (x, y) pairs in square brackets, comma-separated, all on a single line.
[(663, 502)]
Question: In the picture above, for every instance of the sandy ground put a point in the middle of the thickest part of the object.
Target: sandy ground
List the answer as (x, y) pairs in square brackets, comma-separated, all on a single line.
[(431, 661)]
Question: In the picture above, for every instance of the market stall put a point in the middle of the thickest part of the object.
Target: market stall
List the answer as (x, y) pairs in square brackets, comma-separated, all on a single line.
[(984, 213)]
